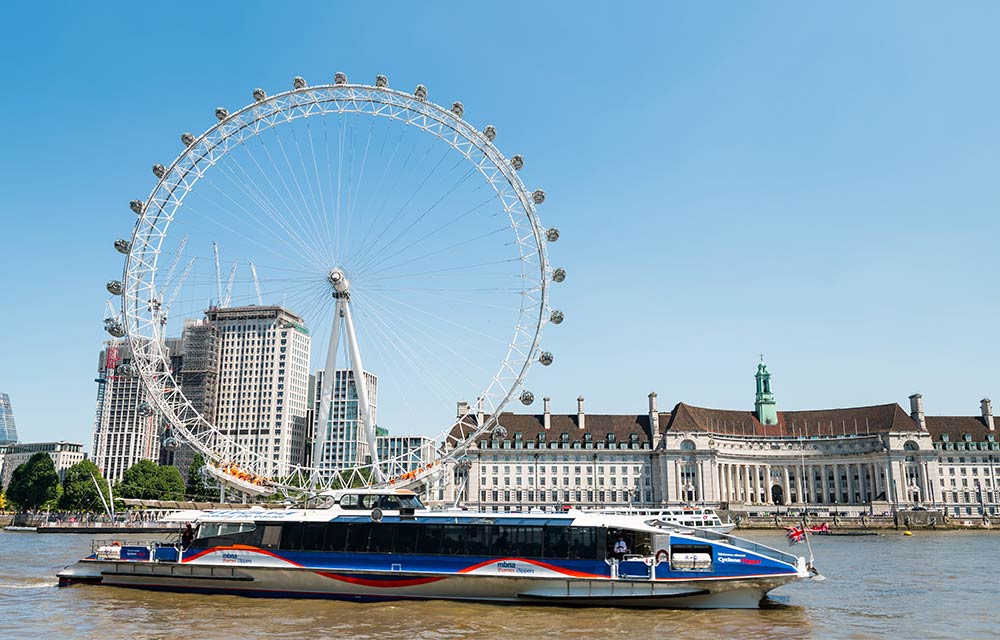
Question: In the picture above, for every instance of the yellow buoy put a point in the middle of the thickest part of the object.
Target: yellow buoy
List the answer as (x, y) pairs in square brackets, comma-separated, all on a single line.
[(907, 533)]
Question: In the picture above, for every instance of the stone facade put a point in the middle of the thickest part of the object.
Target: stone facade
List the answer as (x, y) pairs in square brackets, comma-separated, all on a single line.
[(876, 458)]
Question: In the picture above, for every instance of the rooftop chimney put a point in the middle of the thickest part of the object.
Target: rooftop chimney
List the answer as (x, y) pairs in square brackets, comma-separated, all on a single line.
[(480, 418), (548, 416), (580, 417), (463, 408), (917, 411), (654, 419), (987, 407)]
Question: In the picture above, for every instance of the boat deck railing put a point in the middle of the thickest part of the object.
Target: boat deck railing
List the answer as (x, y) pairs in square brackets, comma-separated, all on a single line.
[(731, 540)]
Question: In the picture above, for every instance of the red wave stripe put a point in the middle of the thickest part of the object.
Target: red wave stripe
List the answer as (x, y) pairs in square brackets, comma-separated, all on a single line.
[(240, 547), (544, 565), (388, 584)]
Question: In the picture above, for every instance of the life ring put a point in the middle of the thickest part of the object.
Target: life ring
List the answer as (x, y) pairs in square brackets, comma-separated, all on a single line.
[(664, 553)]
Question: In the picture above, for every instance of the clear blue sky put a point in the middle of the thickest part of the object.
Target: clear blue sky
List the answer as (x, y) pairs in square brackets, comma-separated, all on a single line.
[(818, 183)]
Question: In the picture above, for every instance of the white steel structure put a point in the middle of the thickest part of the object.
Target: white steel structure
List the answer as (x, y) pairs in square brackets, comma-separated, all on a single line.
[(370, 210)]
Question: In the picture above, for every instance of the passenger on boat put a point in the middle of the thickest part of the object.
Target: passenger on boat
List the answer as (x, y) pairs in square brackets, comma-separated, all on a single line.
[(620, 548), (188, 536)]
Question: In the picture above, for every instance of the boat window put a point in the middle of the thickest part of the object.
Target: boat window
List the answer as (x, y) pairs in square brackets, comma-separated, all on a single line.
[(313, 535), (272, 536), (350, 501), (382, 536), (406, 538), (291, 536), (429, 539), (387, 503), (336, 537), (556, 542), (584, 541), (478, 539), (357, 537), (453, 540)]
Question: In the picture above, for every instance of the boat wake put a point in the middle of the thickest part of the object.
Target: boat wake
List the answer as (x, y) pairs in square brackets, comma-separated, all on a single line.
[(29, 583)]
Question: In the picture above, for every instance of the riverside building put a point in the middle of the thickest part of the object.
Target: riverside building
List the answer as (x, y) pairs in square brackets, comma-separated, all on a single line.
[(874, 458), (64, 455)]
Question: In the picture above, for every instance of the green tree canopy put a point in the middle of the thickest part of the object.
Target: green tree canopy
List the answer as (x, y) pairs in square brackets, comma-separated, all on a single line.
[(146, 480), (34, 483), (196, 487), (79, 492)]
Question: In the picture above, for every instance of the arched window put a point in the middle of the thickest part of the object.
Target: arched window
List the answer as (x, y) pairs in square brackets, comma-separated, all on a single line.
[(687, 445)]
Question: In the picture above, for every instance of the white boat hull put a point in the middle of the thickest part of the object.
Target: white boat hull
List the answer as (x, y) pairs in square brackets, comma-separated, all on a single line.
[(381, 585)]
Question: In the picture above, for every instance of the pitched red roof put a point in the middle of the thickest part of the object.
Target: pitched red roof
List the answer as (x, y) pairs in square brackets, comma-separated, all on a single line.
[(824, 422), (957, 426), (597, 425)]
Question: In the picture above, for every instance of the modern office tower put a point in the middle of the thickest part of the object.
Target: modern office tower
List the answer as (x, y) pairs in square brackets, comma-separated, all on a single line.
[(8, 431), (342, 443), (262, 380), (126, 428), (414, 451)]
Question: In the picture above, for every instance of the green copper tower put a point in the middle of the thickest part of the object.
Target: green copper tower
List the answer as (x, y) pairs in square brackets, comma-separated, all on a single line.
[(767, 411)]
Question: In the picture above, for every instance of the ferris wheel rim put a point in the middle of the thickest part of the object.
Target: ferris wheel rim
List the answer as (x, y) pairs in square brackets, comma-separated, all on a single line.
[(137, 263)]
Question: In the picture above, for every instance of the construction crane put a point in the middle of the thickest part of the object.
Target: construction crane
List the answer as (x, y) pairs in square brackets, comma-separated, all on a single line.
[(256, 283)]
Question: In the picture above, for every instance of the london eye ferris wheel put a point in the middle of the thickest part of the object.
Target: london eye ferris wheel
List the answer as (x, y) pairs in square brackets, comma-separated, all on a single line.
[(386, 233)]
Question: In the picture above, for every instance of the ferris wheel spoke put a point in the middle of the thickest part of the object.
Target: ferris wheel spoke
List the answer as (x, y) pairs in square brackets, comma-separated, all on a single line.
[(299, 215), (436, 252), (363, 251), (385, 247), (257, 243), (363, 243), (290, 223), (418, 362), (315, 210), (385, 306), (323, 212), (353, 200), (246, 184)]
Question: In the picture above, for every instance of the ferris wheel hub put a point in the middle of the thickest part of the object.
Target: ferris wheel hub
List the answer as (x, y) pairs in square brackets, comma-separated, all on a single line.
[(341, 285)]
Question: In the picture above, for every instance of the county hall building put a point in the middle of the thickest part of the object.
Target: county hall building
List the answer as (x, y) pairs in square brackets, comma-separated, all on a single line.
[(878, 458)]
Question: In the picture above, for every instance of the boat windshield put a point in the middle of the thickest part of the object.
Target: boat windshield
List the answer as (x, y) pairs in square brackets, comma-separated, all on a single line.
[(387, 502)]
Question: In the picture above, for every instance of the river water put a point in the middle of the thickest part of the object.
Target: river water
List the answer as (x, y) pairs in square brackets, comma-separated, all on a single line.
[(931, 585)]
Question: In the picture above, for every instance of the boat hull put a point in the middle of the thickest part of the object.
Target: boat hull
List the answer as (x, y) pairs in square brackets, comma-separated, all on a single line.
[(384, 585)]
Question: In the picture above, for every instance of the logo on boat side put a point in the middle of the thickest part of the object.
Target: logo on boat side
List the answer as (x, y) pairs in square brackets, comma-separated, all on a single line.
[(736, 558), (229, 557), (513, 567)]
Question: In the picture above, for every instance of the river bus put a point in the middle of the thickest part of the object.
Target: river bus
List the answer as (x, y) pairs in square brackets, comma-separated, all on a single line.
[(384, 545)]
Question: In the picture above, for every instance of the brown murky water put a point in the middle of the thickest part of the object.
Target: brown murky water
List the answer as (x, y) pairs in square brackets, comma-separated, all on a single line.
[(933, 585)]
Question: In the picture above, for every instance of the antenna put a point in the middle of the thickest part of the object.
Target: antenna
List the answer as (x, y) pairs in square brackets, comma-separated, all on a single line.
[(229, 286), (218, 274), (256, 283)]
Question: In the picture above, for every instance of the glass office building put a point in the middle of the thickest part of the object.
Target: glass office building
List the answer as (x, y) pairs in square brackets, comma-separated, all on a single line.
[(8, 432)]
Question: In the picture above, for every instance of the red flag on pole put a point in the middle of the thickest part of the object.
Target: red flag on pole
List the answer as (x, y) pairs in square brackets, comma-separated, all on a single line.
[(795, 535)]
